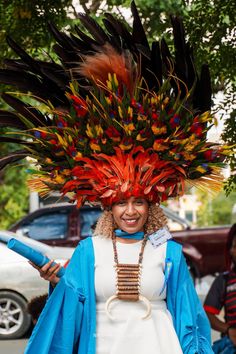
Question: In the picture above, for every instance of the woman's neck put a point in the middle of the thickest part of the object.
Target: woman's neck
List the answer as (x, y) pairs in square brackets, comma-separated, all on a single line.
[(126, 240)]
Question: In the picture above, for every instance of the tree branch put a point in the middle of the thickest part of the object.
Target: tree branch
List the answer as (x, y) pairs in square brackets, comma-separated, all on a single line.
[(74, 11), (84, 6), (95, 6)]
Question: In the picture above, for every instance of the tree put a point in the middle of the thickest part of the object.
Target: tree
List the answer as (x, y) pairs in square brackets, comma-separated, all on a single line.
[(215, 210), (229, 136), (14, 194), (26, 21)]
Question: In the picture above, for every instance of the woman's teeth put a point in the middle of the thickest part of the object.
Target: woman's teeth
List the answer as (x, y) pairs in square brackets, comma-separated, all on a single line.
[(131, 221)]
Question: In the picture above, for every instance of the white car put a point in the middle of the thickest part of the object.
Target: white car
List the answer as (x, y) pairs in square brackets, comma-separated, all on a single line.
[(20, 282)]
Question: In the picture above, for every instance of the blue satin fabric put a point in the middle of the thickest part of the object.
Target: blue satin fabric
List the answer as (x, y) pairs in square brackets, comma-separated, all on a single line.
[(136, 236)]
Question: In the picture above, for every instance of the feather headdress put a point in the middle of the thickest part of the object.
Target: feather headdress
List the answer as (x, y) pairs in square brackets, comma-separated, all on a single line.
[(117, 118)]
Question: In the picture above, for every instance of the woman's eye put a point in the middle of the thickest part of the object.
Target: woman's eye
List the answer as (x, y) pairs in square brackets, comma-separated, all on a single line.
[(139, 201)]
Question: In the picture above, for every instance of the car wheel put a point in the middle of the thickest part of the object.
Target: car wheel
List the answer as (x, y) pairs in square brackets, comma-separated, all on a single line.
[(14, 319)]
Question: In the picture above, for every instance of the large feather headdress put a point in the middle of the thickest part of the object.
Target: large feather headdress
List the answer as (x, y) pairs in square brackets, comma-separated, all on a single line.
[(118, 117)]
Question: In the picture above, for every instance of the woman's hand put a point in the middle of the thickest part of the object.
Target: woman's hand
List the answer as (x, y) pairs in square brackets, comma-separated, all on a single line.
[(232, 335), (48, 272)]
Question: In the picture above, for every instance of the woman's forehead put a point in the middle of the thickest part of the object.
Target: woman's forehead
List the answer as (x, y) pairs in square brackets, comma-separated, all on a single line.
[(131, 199)]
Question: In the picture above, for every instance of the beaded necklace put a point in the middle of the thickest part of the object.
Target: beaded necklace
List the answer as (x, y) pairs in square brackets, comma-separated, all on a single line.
[(128, 275), (128, 280)]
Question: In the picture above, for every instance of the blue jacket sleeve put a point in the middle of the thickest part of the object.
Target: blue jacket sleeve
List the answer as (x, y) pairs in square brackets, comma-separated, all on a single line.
[(191, 323), (58, 328)]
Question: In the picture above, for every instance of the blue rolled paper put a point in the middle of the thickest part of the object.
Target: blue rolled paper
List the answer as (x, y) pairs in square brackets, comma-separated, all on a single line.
[(31, 254)]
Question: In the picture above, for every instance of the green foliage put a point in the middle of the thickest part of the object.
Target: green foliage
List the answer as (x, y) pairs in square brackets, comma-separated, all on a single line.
[(14, 196), (14, 193), (211, 29), (229, 136), (156, 15), (27, 22), (217, 210)]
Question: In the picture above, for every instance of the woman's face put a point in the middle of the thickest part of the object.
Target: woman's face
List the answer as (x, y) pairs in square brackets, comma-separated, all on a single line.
[(130, 214)]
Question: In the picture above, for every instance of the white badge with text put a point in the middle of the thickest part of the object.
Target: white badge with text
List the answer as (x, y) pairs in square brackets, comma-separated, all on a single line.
[(160, 236)]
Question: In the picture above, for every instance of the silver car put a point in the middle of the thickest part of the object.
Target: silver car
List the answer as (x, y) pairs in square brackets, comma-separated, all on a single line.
[(20, 282)]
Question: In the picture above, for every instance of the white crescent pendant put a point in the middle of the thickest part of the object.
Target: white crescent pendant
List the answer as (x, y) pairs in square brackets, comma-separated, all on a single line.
[(141, 298)]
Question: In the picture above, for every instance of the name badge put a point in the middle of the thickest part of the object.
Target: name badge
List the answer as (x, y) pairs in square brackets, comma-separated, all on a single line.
[(160, 236)]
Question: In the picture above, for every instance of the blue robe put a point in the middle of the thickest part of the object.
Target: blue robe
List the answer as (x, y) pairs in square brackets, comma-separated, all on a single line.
[(67, 324)]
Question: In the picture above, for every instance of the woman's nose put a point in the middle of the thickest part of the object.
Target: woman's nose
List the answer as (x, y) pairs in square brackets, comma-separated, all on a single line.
[(130, 209)]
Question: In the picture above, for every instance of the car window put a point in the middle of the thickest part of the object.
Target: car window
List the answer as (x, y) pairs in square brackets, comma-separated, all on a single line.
[(174, 225), (46, 227), (88, 218)]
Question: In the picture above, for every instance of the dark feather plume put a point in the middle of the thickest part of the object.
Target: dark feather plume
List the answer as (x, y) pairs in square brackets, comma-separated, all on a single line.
[(156, 63), (23, 55), (121, 30), (11, 119), (202, 97), (93, 27), (13, 157), (5, 139), (27, 111), (138, 33)]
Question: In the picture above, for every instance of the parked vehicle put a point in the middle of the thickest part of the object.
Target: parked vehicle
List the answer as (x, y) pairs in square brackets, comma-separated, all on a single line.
[(64, 225), (19, 283)]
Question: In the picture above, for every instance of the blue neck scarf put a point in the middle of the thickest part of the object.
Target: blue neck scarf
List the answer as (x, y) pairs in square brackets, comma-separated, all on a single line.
[(136, 236)]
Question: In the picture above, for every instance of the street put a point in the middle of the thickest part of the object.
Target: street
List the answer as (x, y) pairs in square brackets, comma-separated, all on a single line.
[(12, 346), (18, 346)]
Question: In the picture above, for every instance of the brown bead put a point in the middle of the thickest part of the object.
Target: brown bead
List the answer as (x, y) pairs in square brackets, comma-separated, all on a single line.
[(122, 265), (123, 283), (126, 292), (127, 282), (121, 288), (128, 276)]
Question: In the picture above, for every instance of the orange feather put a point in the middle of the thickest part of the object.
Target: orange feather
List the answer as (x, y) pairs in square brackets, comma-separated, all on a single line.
[(108, 60)]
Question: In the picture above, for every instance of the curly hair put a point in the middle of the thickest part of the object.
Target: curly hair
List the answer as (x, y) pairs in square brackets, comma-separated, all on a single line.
[(36, 305), (156, 219)]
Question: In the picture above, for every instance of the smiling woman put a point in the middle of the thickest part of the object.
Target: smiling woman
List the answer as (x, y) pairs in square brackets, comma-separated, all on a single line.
[(129, 133), (136, 261)]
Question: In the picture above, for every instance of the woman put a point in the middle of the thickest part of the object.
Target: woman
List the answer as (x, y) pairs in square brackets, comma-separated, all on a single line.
[(77, 316), (126, 127), (222, 295)]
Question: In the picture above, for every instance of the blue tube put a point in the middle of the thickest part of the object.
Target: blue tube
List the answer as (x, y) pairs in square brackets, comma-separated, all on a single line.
[(31, 254)]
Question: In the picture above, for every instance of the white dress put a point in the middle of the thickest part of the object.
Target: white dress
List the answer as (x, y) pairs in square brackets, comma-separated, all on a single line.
[(128, 333)]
